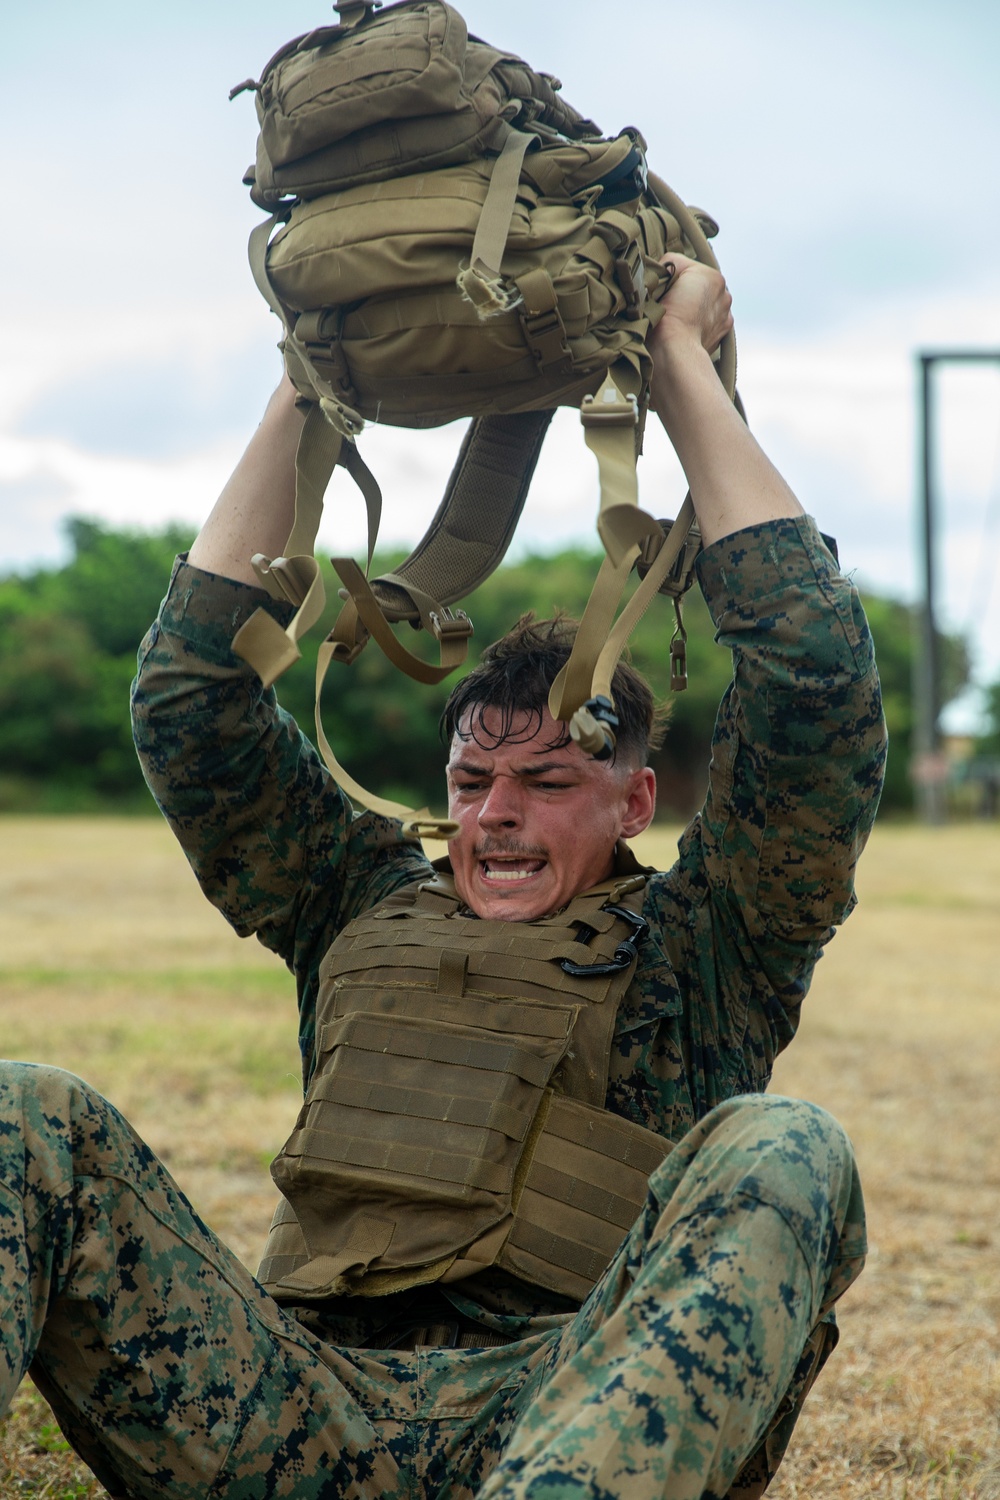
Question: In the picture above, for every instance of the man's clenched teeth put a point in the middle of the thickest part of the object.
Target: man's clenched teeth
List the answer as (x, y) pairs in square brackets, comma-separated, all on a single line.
[(510, 869)]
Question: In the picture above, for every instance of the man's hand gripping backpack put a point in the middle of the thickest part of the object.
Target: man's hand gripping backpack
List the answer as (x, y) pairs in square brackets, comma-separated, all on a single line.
[(449, 238)]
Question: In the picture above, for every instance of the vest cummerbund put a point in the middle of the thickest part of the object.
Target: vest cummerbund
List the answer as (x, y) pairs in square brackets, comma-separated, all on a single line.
[(455, 1118)]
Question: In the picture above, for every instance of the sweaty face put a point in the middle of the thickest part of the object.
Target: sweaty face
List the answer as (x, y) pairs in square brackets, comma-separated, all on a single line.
[(537, 825)]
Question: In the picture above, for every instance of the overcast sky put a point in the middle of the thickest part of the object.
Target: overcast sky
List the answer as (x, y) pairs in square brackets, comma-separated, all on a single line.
[(849, 154)]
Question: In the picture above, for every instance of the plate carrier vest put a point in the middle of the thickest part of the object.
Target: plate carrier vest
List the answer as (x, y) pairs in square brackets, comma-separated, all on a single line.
[(455, 1119)]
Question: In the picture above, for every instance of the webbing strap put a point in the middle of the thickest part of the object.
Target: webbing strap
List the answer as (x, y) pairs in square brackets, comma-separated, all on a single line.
[(572, 685), (640, 601), (396, 1156), (599, 1202), (326, 439), (295, 577), (704, 252), (423, 1104), (452, 630), (494, 222), (479, 1052), (600, 639), (464, 543), (417, 822), (533, 1017), (558, 1250), (598, 646), (611, 425)]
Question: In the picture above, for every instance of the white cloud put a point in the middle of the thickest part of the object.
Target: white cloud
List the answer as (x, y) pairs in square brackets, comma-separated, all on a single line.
[(848, 156)]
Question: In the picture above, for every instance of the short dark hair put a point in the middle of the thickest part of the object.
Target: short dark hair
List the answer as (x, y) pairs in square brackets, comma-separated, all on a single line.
[(514, 677)]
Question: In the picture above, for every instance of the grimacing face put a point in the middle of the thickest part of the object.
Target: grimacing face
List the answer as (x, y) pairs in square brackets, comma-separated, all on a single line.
[(537, 825)]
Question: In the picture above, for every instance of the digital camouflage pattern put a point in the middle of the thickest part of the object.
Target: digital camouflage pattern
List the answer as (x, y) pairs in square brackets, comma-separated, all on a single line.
[(178, 1375), (175, 1376)]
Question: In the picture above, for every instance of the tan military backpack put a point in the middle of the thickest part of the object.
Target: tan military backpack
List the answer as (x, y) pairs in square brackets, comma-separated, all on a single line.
[(449, 238)]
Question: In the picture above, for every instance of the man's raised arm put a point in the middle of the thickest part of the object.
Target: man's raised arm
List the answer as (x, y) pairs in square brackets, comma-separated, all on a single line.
[(733, 483), (255, 509), (251, 803)]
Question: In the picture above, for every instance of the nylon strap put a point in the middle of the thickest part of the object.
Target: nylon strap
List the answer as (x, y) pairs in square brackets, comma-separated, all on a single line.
[(573, 683), (598, 647), (451, 630), (417, 823), (640, 601), (326, 439), (611, 423), (295, 577), (498, 209), (422, 1104)]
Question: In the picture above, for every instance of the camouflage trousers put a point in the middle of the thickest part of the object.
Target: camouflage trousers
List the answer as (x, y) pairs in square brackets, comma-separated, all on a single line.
[(175, 1375)]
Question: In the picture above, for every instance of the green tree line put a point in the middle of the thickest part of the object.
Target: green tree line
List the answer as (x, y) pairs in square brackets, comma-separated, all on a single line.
[(68, 638)]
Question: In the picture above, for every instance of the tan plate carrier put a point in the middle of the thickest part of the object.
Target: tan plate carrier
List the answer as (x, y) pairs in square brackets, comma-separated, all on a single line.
[(456, 1116)]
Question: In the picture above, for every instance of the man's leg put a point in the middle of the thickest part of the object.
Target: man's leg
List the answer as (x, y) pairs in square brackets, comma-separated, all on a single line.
[(666, 1381), (166, 1364)]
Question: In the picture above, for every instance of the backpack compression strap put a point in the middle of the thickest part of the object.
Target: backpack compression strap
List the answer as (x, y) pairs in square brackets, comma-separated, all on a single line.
[(581, 694)]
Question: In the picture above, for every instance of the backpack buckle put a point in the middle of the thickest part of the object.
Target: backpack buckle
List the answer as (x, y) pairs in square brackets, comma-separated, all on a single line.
[(545, 333), (630, 273), (609, 408), (450, 625), (681, 575)]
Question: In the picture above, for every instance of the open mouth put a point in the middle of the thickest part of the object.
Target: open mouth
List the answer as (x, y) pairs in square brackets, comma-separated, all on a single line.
[(509, 871)]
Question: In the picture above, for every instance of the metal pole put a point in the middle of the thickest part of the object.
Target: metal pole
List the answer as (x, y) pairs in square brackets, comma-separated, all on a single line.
[(927, 763)]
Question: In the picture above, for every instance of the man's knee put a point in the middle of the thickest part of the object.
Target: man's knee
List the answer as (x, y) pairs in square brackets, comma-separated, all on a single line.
[(754, 1134), (785, 1154), (42, 1096), (794, 1130), (55, 1126)]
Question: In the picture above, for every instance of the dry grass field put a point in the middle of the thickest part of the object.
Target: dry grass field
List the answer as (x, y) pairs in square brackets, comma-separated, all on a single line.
[(111, 965)]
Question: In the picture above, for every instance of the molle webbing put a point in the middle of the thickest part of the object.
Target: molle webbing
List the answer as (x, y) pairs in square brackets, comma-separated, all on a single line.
[(455, 1119), (582, 1193)]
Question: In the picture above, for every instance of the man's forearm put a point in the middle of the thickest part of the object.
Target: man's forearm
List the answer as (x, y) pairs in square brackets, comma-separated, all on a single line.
[(254, 513), (733, 483)]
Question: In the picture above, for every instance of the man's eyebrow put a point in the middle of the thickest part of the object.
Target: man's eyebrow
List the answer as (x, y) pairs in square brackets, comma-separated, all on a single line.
[(470, 767), (473, 768), (546, 766)]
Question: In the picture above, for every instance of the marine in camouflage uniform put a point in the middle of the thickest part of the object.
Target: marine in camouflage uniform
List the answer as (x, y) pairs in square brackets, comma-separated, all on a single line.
[(681, 1375)]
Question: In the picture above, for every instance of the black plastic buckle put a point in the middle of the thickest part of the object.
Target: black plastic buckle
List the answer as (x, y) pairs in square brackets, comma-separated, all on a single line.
[(624, 183), (603, 711)]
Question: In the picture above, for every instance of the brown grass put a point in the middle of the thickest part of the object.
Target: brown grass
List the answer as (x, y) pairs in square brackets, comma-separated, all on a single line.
[(113, 965)]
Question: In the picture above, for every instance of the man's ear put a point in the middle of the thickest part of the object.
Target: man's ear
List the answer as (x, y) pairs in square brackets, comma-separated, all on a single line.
[(641, 802)]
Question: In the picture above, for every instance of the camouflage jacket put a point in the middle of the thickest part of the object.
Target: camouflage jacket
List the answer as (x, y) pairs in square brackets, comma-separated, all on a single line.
[(763, 874)]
